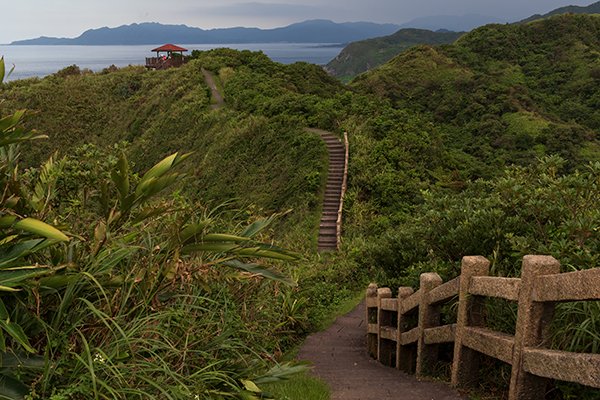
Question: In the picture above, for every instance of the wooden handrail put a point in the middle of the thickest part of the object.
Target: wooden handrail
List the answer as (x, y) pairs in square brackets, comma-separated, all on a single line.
[(343, 192), (414, 348)]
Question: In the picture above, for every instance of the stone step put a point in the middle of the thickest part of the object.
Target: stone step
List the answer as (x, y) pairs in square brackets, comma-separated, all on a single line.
[(332, 238), (329, 242), (328, 225), (324, 231)]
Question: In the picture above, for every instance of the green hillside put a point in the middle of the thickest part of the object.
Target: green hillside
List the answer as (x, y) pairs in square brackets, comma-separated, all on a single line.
[(507, 93), (364, 55), (593, 8), (486, 146)]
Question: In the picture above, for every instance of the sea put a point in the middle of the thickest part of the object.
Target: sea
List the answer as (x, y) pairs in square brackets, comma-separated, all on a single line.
[(39, 61)]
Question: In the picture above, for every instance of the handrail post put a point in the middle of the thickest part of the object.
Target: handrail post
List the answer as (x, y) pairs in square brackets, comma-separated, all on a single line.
[(371, 318), (429, 317), (470, 313), (405, 355), (533, 320), (382, 293)]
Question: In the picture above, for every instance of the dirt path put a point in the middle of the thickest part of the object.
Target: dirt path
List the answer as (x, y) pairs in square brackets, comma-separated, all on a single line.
[(216, 95), (340, 358)]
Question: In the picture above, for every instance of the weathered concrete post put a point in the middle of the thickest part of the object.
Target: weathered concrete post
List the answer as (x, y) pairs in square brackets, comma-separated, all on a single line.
[(533, 321), (429, 317), (470, 313), (405, 355), (382, 293), (371, 318)]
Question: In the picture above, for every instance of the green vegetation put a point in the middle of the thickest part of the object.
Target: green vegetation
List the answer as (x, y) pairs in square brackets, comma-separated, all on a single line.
[(365, 55), (302, 387), (488, 146), (593, 8)]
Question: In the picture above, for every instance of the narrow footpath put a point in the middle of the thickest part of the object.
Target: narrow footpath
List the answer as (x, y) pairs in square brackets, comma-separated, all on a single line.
[(339, 357), (216, 95), (333, 191)]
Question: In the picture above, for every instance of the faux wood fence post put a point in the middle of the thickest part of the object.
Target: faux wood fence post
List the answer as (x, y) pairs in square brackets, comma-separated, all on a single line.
[(465, 364), (533, 321), (405, 355), (382, 293), (371, 318), (429, 317)]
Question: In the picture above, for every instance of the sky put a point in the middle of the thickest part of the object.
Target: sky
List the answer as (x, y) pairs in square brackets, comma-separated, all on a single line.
[(26, 19)]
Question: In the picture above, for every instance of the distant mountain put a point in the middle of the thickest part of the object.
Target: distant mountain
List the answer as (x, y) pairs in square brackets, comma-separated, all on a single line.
[(456, 23), (312, 31), (591, 9), (364, 55)]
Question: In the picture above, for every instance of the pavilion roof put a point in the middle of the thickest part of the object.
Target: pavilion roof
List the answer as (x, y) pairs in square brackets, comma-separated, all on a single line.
[(169, 47)]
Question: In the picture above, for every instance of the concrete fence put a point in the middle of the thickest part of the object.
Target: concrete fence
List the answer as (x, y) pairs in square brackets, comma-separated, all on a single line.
[(392, 341)]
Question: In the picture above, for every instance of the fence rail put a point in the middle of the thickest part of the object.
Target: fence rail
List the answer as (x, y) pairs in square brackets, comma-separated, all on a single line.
[(405, 331)]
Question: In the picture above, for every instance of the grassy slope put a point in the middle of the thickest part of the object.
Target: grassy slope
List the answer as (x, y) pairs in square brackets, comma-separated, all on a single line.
[(364, 55), (253, 154), (591, 9), (237, 156), (505, 90)]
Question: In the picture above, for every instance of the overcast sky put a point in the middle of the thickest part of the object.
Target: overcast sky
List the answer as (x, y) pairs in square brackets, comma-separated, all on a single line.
[(25, 19)]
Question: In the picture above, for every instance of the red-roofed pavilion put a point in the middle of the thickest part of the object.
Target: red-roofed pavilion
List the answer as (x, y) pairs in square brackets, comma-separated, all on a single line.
[(173, 58)]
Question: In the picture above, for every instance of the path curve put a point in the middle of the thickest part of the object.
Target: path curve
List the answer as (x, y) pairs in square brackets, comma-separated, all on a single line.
[(219, 102), (328, 226), (339, 356)]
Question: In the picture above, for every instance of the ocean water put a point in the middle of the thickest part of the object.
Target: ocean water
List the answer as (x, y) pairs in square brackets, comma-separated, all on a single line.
[(32, 61)]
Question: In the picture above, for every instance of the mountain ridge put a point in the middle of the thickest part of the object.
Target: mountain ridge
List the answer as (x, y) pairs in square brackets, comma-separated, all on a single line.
[(309, 31), (455, 23), (593, 8)]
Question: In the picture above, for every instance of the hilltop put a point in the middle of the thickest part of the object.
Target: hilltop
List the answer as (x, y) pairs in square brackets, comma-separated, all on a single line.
[(505, 87), (311, 31), (364, 55), (591, 9), (361, 56)]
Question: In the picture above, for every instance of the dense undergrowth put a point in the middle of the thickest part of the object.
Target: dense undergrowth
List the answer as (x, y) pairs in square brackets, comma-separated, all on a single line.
[(455, 150)]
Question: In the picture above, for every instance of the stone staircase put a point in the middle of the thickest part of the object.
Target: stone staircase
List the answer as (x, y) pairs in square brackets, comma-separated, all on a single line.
[(328, 228)]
